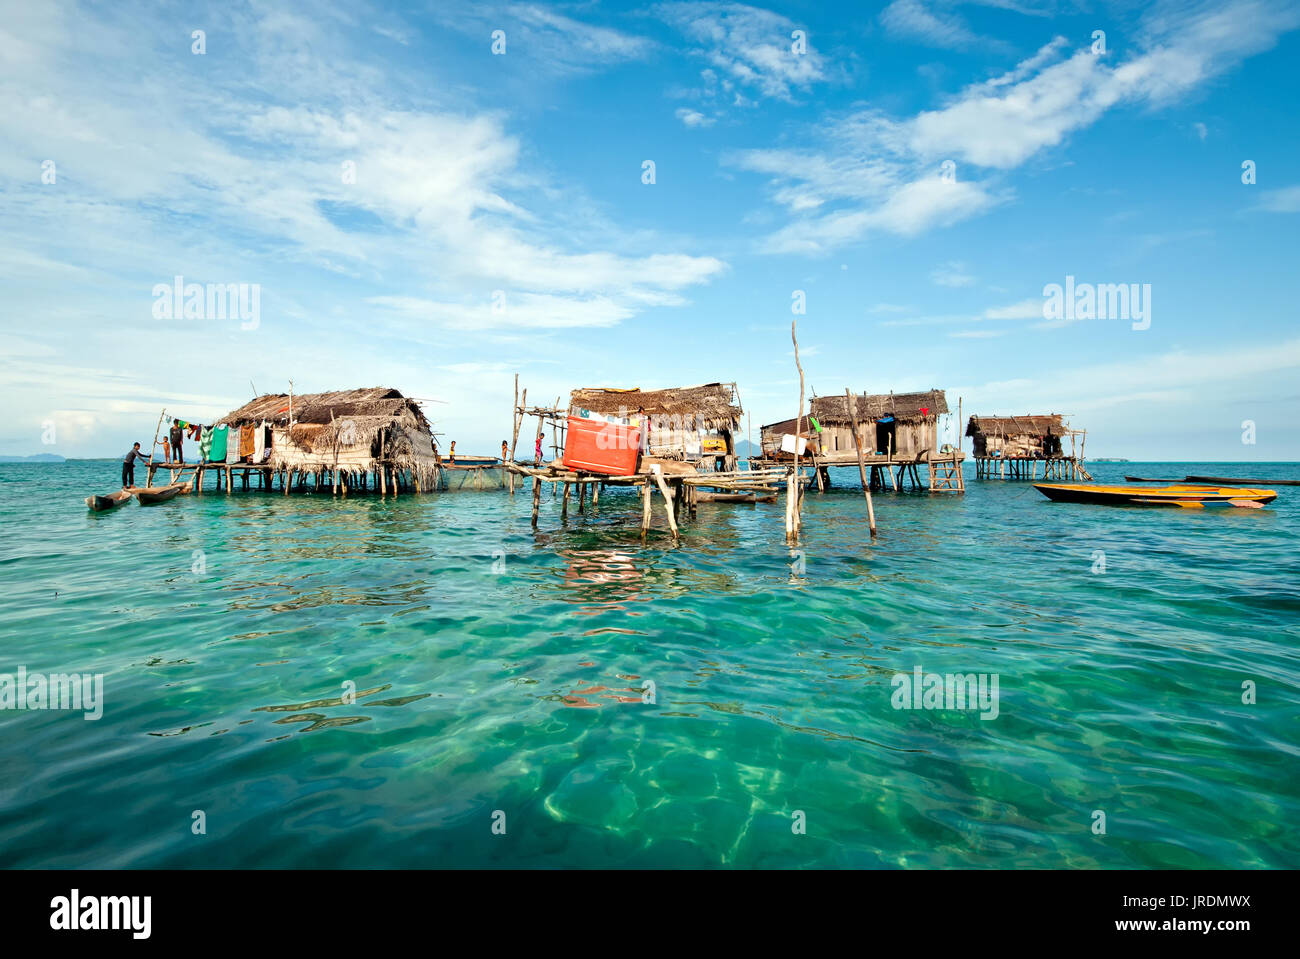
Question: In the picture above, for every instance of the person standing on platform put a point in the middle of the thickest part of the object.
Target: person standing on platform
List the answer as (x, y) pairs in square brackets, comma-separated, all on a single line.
[(505, 452), (451, 453), (128, 465), (177, 435)]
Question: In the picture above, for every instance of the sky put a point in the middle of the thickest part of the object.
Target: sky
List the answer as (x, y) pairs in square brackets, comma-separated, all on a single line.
[(435, 197)]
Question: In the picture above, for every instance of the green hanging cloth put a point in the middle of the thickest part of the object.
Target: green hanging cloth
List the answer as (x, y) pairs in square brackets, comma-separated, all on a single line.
[(205, 444), (817, 426), (219, 437)]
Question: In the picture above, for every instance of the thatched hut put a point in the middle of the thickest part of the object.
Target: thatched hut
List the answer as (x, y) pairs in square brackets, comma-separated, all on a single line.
[(1033, 435), (691, 423), (363, 431), (772, 436), (900, 424)]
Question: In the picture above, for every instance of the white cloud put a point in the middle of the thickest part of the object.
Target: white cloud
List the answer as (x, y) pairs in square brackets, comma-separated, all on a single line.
[(748, 48), (575, 41), (229, 169), (1284, 200), (913, 20), (878, 174), (1175, 376), (1030, 309), (952, 273), (693, 118)]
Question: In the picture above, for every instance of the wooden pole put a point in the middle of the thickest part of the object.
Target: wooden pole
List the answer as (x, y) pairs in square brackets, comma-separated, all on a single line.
[(156, 430), (537, 498), (798, 422), (862, 462), (789, 505), (516, 416), (645, 508), (668, 498)]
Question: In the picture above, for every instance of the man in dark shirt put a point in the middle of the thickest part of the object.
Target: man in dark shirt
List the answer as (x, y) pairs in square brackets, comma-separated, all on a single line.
[(176, 436), (128, 465)]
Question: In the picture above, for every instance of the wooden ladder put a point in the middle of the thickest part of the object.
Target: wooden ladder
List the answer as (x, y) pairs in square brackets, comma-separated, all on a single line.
[(945, 477)]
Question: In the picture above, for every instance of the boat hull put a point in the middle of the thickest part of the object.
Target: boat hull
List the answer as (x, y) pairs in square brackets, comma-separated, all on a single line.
[(1178, 495), (100, 503), (161, 494)]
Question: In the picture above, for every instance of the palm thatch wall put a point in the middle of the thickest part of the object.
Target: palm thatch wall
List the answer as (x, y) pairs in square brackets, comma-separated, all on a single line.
[(345, 429), (688, 422), (902, 423), (1036, 434)]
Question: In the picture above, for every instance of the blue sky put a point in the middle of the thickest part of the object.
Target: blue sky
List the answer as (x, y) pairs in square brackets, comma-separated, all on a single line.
[(516, 179)]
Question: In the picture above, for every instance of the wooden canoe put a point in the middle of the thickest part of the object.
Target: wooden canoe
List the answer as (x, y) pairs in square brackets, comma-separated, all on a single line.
[(1232, 481), (1193, 497), (101, 502), (157, 494)]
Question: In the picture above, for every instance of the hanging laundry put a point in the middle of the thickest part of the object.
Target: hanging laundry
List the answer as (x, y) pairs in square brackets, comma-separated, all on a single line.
[(247, 443), (219, 439), (205, 445), (195, 430), (232, 445)]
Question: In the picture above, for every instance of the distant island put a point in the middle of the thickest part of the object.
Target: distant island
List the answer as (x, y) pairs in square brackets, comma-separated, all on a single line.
[(1107, 459), (35, 458)]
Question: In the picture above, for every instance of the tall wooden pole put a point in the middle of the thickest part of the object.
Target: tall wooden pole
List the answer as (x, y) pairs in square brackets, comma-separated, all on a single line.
[(798, 426), (156, 430), (514, 436), (862, 462)]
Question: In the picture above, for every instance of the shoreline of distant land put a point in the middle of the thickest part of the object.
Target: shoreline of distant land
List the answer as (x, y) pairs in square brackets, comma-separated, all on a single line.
[(34, 458)]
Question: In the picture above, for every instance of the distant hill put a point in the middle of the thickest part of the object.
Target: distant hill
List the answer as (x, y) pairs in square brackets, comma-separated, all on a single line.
[(744, 449), (35, 458)]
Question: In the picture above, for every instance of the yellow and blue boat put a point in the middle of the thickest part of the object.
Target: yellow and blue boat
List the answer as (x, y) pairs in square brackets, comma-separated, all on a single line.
[(1188, 497)]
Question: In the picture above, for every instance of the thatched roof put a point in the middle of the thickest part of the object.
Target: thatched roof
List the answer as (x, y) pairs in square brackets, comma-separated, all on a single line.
[(788, 426), (1027, 425), (905, 407), (711, 405), (339, 418), (376, 401)]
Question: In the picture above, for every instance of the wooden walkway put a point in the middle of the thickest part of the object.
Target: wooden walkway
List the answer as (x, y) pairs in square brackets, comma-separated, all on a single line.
[(681, 491), (1026, 468), (942, 472)]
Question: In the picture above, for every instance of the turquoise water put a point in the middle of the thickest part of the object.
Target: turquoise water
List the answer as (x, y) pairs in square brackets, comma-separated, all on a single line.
[(499, 668)]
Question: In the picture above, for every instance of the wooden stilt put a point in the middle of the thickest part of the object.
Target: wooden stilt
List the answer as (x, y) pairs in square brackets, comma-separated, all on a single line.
[(668, 498), (645, 508)]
